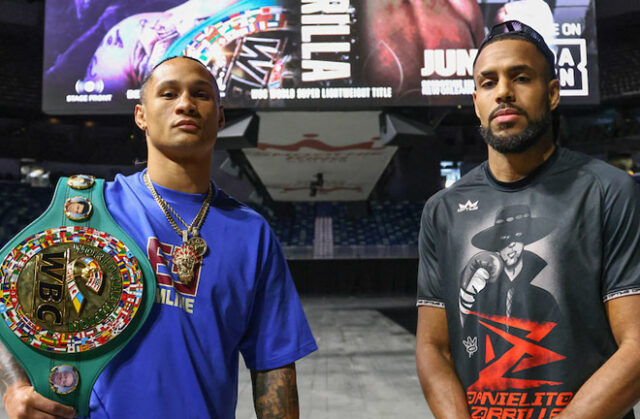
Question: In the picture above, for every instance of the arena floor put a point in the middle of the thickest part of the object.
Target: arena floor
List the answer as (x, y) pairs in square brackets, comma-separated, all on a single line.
[(365, 365)]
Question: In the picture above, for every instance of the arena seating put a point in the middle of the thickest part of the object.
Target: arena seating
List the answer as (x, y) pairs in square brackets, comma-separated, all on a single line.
[(19, 205), (296, 230), (388, 223), (619, 64), (385, 224)]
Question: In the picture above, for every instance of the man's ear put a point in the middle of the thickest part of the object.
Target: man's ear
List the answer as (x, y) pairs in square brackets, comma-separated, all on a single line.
[(141, 120), (554, 94), (221, 119), (475, 106)]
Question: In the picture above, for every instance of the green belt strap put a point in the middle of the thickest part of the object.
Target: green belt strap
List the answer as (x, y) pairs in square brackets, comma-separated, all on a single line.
[(74, 290)]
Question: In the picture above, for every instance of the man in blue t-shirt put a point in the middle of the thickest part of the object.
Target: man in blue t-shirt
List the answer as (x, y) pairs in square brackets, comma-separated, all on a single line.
[(223, 283)]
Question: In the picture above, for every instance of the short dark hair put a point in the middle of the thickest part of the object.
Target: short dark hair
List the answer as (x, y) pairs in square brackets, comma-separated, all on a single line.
[(513, 29), (143, 85)]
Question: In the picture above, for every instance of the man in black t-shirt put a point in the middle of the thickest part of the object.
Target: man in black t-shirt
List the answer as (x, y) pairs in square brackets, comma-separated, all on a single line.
[(529, 275)]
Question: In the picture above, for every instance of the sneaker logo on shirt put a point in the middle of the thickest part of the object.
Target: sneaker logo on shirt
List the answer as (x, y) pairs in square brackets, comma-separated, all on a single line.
[(471, 345), (468, 206)]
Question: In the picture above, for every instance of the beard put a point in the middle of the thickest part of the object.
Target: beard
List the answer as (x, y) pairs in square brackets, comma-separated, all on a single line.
[(518, 143)]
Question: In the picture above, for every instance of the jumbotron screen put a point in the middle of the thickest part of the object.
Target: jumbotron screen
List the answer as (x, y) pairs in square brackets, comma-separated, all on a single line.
[(293, 54)]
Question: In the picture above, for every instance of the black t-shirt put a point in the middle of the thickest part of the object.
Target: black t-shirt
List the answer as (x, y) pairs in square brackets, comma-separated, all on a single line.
[(523, 270)]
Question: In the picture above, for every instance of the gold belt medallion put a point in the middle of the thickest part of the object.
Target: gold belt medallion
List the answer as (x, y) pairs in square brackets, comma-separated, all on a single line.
[(69, 289)]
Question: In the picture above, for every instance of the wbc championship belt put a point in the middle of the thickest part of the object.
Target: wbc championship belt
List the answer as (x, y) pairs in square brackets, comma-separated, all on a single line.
[(74, 290)]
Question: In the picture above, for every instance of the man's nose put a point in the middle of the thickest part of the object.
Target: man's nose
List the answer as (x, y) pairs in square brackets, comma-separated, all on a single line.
[(504, 91), (185, 104)]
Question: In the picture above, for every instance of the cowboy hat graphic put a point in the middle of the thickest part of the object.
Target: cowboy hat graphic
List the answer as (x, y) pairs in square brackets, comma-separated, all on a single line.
[(513, 223)]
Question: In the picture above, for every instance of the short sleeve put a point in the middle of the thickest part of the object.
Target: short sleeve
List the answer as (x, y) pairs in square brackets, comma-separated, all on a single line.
[(429, 291), (278, 333), (621, 239)]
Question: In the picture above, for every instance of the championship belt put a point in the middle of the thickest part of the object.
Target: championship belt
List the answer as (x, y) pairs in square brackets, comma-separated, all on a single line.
[(74, 290)]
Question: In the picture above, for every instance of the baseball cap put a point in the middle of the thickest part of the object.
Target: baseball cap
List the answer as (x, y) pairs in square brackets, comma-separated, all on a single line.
[(514, 29)]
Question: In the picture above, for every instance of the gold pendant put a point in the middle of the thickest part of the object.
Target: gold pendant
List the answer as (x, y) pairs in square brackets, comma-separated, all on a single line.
[(198, 244), (185, 258)]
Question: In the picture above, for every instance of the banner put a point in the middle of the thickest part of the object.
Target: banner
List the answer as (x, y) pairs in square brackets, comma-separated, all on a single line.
[(315, 161), (301, 53)]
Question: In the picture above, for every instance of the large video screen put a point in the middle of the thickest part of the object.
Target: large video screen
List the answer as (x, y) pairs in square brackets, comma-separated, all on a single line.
[(292, 54)]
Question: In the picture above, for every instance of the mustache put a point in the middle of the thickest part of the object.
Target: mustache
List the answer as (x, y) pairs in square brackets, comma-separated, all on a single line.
[(507, 106)]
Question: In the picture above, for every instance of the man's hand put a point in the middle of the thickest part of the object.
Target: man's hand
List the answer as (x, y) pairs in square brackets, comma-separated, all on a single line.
[(275, 394), (476, 284), (614, 388), (482, 268), (21, 401)]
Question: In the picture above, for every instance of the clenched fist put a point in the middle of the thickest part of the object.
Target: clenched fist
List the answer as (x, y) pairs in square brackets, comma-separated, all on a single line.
[(483, 267)]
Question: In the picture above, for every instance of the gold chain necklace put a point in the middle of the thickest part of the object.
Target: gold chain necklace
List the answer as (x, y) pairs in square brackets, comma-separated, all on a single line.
[(187, 256)]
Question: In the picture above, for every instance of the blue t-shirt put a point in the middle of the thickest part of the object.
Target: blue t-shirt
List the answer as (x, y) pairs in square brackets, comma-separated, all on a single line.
[(183, 363)]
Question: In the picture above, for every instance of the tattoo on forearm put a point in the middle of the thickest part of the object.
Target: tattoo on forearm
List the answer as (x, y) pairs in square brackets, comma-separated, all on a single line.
[(10, 370), (275, 394)]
